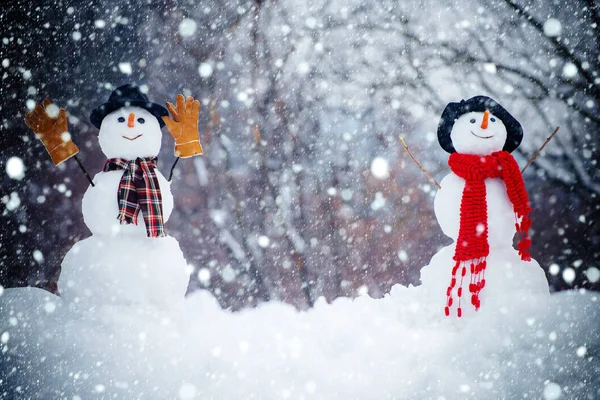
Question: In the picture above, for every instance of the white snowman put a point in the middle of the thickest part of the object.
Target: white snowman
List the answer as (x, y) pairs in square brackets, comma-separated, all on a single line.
[(480, 205), (129, 259), (128, 133)]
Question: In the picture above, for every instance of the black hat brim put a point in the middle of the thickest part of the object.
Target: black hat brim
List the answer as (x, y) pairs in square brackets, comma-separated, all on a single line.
[(100, 112), (514, 130)]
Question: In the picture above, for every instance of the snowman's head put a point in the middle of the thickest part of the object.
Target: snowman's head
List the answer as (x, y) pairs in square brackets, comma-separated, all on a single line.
[(130, 124), (130, 132), (478, 126), (478, 133)]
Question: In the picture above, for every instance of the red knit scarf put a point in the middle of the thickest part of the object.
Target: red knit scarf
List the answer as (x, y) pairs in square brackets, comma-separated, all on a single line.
[(472, 244)]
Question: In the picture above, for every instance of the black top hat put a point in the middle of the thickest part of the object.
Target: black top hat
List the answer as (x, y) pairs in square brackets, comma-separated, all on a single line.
[(125, 96), (514, 131)]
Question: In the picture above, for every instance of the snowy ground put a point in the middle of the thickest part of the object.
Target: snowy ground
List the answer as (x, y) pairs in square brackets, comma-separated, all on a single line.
[(398, 347)]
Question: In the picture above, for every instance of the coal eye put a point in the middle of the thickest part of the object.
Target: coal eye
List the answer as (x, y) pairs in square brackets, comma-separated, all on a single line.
[(141, 120), (493, 119), (121, 119), (472, 120)]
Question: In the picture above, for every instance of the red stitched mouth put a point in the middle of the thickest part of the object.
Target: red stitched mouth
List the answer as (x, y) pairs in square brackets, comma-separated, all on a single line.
[(482, 137), (128, 138)]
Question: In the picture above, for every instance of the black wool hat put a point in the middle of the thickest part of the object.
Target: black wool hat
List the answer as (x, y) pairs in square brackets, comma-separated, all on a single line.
[(125, 96), (514, 131)]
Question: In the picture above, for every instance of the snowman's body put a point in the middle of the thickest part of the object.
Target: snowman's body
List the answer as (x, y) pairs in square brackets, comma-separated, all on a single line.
[(119, 264), (506, 274), (501, 217), (100, 206)]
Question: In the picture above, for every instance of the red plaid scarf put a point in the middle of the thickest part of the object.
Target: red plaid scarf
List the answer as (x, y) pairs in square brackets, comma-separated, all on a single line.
[(472, 243), (139, 190)]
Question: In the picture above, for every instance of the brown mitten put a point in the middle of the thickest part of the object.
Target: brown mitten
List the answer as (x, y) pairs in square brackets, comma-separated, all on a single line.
[(184, 126), (52, 130)]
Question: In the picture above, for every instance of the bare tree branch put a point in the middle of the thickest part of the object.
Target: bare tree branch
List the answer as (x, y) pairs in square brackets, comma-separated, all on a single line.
[(562, 49), (537, 153)]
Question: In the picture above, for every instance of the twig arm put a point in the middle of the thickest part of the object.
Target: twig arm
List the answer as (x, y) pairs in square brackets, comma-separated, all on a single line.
[(83, 169), (537, 153), (431, 178), (173, 169)]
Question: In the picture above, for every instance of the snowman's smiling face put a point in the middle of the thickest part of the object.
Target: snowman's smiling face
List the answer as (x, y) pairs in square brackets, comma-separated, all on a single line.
[(479, 133), (130, 132)]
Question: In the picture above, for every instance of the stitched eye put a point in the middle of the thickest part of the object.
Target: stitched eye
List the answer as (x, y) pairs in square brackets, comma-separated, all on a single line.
[(121, 119), (493, 119), (472, 120), (141, 120)]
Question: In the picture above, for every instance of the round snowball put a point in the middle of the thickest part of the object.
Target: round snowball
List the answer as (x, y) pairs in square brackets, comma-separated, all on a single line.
[(469, 137), (130, 132), (100, 206), (15, 168), (380, 168), (100, 271), (501, 220), (187, 27), (552, 27)]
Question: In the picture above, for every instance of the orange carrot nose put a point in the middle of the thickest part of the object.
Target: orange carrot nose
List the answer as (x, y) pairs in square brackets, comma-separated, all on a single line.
[(486, 116), (132, 119)]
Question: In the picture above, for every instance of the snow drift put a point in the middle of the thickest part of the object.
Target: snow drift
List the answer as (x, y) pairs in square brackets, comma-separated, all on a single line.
[(398, 347)]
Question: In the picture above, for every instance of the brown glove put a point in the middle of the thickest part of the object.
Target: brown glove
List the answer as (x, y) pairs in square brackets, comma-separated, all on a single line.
[(184, 126), (53, 131)]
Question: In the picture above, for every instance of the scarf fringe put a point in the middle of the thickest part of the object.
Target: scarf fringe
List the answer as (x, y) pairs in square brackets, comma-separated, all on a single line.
[(476, 283)]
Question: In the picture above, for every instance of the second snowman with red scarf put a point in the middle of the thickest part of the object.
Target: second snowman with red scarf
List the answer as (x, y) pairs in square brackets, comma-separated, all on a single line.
[(129, 258), (482, 203)]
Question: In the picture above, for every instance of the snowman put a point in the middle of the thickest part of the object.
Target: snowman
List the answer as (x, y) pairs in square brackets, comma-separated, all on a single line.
[(482, 203), (129, 259)]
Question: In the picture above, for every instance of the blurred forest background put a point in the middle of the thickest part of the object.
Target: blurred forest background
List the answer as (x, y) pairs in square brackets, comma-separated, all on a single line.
[(304, 189)]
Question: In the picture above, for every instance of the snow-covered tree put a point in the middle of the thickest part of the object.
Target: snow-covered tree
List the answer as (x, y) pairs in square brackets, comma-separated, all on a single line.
[(304, 190)]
